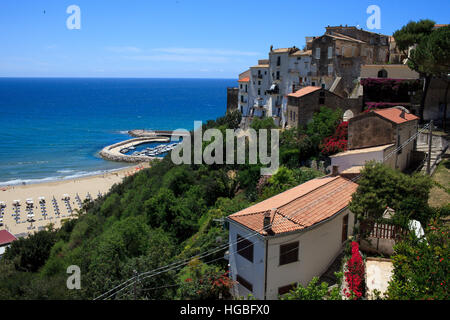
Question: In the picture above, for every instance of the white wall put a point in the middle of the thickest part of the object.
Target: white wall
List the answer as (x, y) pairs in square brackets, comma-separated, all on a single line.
[(317, 249), (252, 272), (359, 159)]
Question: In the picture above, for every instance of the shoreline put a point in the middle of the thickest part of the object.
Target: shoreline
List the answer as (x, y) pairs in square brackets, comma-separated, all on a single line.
[(56, 179), (68, 195)]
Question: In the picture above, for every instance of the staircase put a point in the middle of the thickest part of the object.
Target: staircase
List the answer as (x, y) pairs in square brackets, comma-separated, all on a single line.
[(439, 146)]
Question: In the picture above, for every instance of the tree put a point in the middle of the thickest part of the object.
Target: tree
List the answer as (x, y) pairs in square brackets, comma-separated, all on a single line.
[(381, 187), (427, 50), (323, 125), (434, 53), (29, 254), (199, 281)]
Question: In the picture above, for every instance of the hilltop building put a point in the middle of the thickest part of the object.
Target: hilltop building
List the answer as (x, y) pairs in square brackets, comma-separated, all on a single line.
[(332, 61), (337, 56), (303, 103), (374, 136)]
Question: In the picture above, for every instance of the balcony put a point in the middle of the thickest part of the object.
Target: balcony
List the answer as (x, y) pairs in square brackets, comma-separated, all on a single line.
[(257, 76)]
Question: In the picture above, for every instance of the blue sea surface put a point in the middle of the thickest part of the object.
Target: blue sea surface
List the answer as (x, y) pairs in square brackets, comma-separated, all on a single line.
[(53, 128)]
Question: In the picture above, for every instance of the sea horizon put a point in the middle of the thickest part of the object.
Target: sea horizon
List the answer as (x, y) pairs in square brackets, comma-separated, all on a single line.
[(54, 127)]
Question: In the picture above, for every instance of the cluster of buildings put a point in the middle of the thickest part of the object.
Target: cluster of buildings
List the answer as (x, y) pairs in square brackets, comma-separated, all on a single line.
[(286, 85), (296, 235)]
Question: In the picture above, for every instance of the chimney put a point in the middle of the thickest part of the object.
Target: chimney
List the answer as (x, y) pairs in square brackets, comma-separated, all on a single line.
[(267, 220), (402, 115), (335, 171)]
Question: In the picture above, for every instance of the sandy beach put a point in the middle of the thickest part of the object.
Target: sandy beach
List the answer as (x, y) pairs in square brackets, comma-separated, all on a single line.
[(75, 191)]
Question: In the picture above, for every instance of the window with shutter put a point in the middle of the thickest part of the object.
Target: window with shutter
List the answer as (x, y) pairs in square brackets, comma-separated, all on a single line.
[(244, 248), (286, 289), (247, 285), (289, 253)]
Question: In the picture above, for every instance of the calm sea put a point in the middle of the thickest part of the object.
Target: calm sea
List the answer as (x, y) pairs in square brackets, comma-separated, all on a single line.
[(53, 128)]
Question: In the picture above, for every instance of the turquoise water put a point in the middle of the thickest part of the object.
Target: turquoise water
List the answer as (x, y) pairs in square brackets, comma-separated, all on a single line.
[(53, 128)]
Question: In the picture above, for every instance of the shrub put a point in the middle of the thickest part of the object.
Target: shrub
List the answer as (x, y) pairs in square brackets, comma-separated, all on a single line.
[(421, 266), (354, 276)]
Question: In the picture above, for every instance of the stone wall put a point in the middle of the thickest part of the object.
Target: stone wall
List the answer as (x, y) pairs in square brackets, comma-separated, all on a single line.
[(300, 111), (232, 99), (369, 130), (112, 152)]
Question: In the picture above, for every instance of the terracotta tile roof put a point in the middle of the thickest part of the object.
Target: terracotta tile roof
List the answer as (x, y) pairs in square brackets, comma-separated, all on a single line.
[(300, 207), (304, 91), (246, 79), (394, 115), (6, 237)]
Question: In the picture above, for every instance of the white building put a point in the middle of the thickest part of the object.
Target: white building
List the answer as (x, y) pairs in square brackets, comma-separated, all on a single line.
[(270, 82), (289, 238), (259, 84), (243, 98)]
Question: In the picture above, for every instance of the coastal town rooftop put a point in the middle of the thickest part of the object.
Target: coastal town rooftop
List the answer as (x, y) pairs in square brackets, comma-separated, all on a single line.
[(304, 91), (300, 207), (396, 115)]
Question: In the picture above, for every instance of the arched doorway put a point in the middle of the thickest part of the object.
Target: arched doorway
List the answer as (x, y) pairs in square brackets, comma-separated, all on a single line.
[(382, 73), (347, 115)]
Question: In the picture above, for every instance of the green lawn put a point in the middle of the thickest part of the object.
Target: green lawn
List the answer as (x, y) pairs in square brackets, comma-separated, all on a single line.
[(440, 193)]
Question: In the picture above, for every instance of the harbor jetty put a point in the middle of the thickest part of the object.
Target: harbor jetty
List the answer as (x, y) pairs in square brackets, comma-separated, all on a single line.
[(117, 151)]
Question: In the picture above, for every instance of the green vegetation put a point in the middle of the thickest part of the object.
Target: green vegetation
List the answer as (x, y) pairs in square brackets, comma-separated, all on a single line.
[(430, 54), (161, 215), (440, 192), (422, 266), (380, 187), (315, 291)]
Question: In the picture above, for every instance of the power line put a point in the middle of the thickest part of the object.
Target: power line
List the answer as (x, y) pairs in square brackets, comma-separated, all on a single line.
[(176, 265)]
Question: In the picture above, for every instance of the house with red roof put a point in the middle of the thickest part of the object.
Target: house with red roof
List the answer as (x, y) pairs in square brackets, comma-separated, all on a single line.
[(5, 240), (378, 135), (303, 103), (290, 238)]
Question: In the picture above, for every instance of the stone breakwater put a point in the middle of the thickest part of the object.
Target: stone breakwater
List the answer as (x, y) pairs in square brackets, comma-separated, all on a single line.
[(112, 152)]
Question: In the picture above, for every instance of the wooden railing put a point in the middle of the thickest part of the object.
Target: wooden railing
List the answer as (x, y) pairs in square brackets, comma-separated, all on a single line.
[(383, 230)]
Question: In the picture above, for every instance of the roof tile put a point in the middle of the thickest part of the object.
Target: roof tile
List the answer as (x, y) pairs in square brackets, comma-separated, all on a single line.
[(300, 207)]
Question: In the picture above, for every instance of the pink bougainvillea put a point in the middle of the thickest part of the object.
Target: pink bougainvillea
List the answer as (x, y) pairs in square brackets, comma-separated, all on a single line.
[(354, 276)]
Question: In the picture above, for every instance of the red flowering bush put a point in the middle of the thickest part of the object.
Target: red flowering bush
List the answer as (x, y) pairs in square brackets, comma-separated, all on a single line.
[(338, 142), (354, 276), (203, 282)]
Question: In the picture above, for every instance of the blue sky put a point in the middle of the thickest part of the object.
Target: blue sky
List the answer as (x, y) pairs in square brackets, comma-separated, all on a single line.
[(176, 38)]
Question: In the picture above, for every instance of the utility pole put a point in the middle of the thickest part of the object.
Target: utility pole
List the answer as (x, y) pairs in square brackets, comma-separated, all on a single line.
[(430, 142)]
